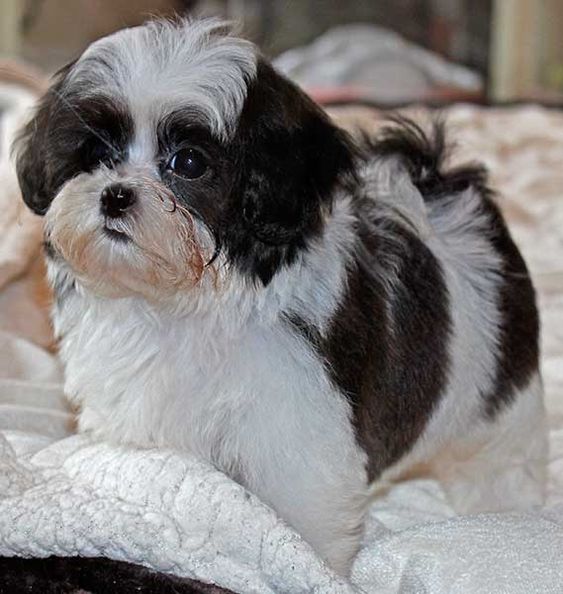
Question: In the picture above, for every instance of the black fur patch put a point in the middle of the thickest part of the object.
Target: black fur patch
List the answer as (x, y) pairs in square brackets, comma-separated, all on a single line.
[(425, 157), (387, 344), (207, 196), (96, 575), (518, 355), (289, 158), (71, 132)]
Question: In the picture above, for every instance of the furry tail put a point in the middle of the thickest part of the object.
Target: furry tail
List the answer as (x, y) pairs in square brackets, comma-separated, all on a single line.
[(425, 156)]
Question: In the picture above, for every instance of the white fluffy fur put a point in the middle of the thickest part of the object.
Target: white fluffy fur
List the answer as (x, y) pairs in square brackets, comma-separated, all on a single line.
[(158, 67)]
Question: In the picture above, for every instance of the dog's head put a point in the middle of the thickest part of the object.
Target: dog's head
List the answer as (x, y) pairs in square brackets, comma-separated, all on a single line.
[(169, 148)]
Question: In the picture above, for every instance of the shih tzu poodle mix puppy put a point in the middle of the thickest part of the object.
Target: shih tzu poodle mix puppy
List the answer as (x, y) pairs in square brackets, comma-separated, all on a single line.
[(234, 277)]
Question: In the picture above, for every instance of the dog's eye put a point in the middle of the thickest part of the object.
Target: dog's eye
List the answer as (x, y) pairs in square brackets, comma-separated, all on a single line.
[(188, 163), (98, 151)]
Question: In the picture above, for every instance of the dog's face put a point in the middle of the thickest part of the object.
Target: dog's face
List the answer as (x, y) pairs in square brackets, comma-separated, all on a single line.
[(170, 150)]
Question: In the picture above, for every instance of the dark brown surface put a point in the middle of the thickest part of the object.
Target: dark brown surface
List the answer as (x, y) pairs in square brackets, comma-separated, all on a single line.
[(96, 575)]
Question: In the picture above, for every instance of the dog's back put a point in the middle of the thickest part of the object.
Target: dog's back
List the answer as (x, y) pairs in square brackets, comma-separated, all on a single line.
[(441, 284)]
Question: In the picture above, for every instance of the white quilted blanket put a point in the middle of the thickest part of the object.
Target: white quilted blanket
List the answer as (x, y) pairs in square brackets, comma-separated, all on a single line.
[(62, 495)]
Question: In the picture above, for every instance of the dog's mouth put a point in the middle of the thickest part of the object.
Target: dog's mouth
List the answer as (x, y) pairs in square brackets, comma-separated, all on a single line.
[(114, 235), (114, 232)]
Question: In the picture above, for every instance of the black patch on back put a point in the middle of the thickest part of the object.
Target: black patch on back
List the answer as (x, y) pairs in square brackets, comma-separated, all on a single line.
[(518, 354), (288, 160), (425, 156), (387, 344)]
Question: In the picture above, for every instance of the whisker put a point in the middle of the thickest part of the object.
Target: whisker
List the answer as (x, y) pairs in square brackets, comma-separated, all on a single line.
[(215, 255), (161, 192)]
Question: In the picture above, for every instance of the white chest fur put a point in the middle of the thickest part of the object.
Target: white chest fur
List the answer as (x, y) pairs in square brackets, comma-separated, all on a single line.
[(257, 404), (179, 381)]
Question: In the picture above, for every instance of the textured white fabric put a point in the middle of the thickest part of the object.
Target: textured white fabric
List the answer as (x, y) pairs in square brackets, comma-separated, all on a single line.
[(170, 512), (176, 514), (61, 494)]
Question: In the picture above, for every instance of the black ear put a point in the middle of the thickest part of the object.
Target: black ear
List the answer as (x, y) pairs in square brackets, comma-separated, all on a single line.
[(289, 159), (31, 150)]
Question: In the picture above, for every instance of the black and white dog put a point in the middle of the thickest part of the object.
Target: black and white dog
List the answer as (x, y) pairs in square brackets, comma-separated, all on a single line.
[(235, 278)]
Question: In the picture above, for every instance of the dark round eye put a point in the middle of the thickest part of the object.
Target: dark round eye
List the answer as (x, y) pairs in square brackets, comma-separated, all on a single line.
[(188, 163)]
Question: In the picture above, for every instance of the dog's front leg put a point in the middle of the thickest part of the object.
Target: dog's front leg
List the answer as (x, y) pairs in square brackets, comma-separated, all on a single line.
[(315, 478)]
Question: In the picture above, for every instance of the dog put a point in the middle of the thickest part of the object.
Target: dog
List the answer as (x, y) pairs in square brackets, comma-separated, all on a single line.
[(235, 277)]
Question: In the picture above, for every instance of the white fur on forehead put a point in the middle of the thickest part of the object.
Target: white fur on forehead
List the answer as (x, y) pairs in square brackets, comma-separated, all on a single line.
[(164, 65)]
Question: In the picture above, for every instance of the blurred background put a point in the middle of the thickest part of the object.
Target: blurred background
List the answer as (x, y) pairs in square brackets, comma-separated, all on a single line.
[(372, 51)]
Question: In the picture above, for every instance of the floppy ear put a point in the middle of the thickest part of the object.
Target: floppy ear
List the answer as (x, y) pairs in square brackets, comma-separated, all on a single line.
[(30, 150), (289, 158)]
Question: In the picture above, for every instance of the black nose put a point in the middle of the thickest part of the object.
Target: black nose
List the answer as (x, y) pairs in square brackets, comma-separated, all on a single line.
[(116, 199)]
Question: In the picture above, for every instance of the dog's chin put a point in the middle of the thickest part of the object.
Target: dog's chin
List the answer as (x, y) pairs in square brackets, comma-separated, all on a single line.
[(113, 263)]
